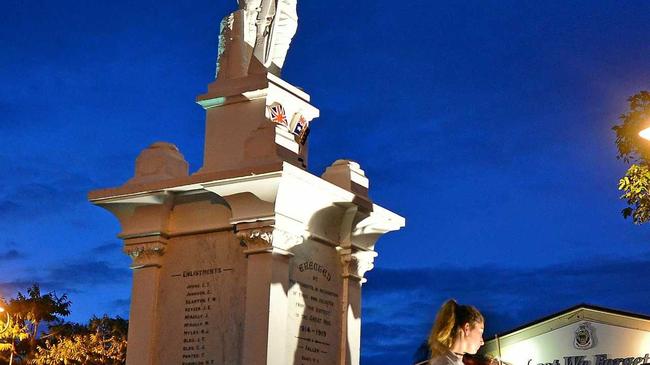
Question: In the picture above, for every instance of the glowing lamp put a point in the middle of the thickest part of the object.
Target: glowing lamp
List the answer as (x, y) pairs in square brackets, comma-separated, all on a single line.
[(645, 133), (6, 326)]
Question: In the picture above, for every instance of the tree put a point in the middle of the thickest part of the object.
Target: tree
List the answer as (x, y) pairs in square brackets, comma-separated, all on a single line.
[(28, 312), (102, 342), (11, 338), (634, 150)]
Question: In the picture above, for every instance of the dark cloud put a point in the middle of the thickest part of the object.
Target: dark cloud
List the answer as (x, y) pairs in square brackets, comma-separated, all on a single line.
[(9, 289), (108, 247), (377, 342), (42, 196), (8, 208), (71, 278), (10, 244), (121, 307), (27, 200), (80, 274), (12, 255), (399, 305), (384, 358), (121, 303)]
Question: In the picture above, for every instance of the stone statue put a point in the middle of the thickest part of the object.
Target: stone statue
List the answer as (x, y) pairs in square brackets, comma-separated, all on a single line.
[(255, 39)]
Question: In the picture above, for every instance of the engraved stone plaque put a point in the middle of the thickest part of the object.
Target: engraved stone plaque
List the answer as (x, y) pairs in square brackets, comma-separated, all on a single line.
[(201, 300), (314, 305)]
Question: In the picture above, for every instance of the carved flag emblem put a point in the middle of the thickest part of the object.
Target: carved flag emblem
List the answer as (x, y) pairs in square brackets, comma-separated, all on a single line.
[(278, 115), (299, 124)]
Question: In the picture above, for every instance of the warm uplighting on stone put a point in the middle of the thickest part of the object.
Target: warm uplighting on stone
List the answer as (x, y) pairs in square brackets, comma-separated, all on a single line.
[(252, 249)]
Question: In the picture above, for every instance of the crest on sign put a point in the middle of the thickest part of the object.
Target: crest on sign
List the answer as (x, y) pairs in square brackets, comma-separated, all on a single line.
[(584, 337)]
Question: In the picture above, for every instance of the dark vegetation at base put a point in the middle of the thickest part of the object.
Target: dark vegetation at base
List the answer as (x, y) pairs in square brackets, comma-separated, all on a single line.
[(36, 333)]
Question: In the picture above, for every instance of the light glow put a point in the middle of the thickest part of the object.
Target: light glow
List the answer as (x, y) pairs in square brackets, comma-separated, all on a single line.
[(521, 353), (645, 134), (644, 344)]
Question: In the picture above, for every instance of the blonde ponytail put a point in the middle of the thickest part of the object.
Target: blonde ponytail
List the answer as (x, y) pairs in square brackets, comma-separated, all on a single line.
[(450, 318)]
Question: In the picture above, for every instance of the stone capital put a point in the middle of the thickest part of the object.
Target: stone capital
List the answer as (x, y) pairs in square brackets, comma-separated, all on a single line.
[(355, 263), (146, 251), (267, 240)]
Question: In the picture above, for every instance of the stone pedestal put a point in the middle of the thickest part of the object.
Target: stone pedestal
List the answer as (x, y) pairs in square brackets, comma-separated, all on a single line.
[(222, 276)]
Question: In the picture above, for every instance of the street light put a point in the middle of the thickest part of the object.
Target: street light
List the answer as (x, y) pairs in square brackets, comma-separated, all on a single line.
[(645, 133), (6, 327)]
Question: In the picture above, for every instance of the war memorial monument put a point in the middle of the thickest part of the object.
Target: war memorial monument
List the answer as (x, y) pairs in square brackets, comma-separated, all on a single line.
[(251, 260)]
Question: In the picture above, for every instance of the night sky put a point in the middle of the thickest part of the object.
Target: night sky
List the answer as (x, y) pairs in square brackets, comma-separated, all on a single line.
[(485, 123)]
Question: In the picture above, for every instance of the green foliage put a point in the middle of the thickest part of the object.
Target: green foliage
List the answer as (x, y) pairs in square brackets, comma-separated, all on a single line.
[(109, 327), (636, 187), (631, 147), (30, 310), (36, 307), (12, 337), (636, 150), (101, 342)]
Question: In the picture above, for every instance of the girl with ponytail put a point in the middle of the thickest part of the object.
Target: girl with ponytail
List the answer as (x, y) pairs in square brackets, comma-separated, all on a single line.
[(457, 330)]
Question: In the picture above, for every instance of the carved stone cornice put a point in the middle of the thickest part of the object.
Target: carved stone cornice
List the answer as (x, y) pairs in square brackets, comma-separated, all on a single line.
[(284, 239), (267, 240), (355, 263), (146, 253)]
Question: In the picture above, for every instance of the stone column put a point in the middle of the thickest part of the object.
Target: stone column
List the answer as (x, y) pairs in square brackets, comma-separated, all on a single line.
[(266, 298), (147, 253), (355, 263)]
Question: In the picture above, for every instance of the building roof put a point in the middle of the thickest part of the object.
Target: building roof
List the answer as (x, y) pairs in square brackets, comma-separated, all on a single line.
[(574, 309), (577, 313)]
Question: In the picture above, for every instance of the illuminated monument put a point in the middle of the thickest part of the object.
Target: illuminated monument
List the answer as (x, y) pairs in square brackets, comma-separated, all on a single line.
[(251, 259)]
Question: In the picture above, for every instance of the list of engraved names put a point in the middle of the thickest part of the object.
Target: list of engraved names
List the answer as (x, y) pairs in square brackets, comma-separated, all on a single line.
[(200, 296)]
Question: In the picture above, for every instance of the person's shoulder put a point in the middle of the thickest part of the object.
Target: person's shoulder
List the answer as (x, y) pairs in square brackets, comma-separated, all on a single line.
[(438, 360), (443, 359)]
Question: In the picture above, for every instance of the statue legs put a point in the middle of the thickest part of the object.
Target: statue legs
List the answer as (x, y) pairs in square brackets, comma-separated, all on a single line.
[(256, 38)]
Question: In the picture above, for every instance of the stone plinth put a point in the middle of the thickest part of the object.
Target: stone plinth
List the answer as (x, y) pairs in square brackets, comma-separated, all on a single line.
[(255, 269)]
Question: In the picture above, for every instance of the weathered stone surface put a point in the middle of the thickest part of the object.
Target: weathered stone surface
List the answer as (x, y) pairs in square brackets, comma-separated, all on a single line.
[(158, 162)]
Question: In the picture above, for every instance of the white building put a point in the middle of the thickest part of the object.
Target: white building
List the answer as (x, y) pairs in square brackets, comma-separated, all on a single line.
[(581, 335)]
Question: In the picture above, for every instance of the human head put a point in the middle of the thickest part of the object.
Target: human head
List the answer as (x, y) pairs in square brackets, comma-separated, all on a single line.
[(456, 326)]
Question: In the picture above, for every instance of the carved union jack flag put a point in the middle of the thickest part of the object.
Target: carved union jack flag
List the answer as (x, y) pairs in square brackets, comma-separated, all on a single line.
[(278, 114)]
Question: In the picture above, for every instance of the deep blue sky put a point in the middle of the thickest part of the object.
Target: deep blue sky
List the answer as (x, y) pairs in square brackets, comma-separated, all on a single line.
[(485, 124)]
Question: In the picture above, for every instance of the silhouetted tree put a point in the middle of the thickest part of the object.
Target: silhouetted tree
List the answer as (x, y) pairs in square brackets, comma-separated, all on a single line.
[(31, 310)]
